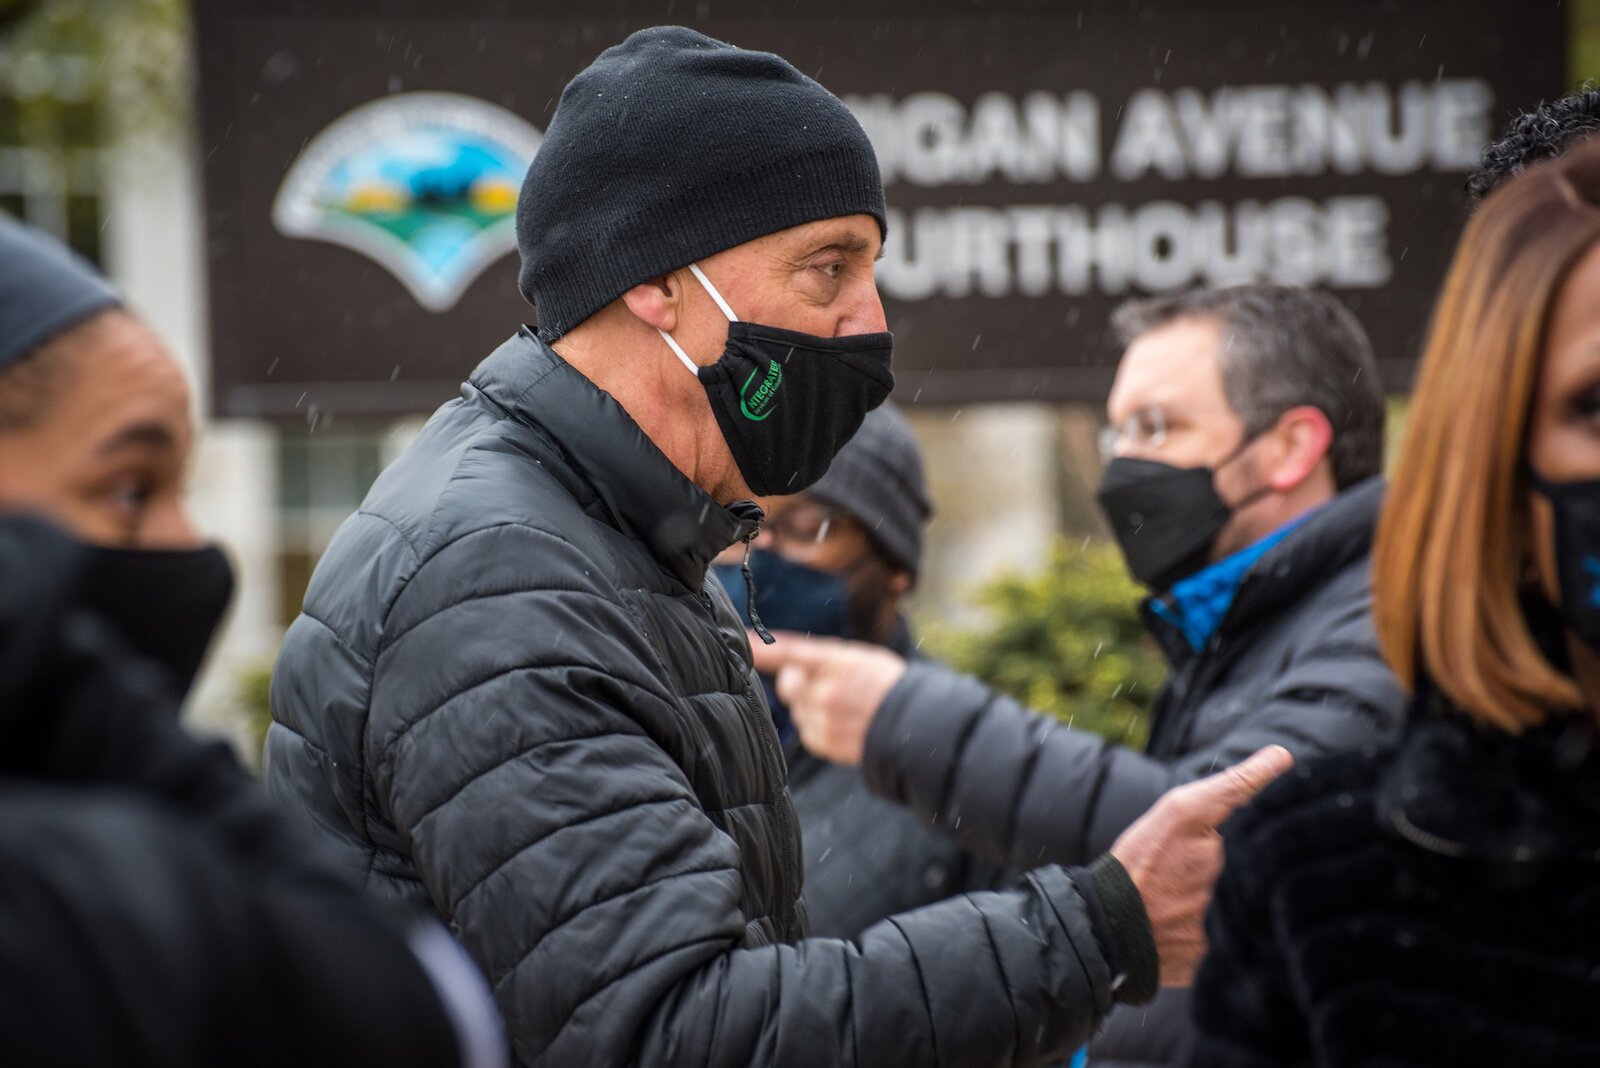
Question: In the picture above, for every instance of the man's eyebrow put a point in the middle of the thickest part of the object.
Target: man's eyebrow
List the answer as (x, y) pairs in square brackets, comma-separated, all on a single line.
[(150, 435), (848, 242)]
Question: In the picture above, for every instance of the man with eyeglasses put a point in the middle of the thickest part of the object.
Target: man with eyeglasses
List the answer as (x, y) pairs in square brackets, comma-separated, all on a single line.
[(1245, 441), (837, 560)]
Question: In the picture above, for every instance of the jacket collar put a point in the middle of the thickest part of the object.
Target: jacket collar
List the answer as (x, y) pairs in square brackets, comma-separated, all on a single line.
[(1197, 605), (643, 495), (1318, 546)]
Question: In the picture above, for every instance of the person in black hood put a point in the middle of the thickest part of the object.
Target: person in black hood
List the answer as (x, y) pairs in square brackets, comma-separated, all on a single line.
[(1436, 901), (155, 908), (838, 560), (515, 694), (1246, 433)]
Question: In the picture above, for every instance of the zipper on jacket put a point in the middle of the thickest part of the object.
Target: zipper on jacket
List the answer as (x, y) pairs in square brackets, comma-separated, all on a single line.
[(750, 590), (777, 769)]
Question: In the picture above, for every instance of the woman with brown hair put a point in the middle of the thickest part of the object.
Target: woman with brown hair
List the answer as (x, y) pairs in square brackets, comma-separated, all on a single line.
[(1438, 902)]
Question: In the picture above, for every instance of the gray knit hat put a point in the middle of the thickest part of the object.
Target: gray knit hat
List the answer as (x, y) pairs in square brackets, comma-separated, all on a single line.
[(45, 290), (672, 146), (877, 478)]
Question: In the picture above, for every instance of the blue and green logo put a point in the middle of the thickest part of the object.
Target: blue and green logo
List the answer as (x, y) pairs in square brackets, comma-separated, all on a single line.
[(763, 402), (424, 183)]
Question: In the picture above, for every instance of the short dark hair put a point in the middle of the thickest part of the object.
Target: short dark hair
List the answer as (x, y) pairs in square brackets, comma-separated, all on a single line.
[(1284, 347), (1543, 133)]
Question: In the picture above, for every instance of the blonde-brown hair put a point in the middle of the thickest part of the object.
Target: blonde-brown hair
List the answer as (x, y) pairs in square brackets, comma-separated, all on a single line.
[(1452, 548)]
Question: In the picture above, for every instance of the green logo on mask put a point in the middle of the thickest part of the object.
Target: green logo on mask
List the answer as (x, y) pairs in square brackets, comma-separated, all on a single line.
[(760, 404)]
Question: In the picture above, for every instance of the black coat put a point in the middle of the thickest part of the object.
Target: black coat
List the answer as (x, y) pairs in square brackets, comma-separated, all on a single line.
[(1435, 903), (155, 909), (1294, 662), (515, 693)]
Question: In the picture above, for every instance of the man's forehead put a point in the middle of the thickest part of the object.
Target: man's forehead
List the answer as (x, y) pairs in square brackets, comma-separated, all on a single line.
[(851, 233), (1172, 364), (788, 503)]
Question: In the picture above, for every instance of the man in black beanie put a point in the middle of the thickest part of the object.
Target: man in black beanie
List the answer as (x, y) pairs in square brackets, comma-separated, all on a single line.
[(515, 694)]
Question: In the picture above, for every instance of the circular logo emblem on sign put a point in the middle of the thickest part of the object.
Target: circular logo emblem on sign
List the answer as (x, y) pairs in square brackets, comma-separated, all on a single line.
[(424, 183)]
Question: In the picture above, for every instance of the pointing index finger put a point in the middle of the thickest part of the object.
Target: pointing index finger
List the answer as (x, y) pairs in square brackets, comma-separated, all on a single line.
[(787, 648)]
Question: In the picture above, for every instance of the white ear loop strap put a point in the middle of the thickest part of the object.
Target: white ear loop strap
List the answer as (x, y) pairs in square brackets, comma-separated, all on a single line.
[(693, 367), (677, 349), (698, 273)]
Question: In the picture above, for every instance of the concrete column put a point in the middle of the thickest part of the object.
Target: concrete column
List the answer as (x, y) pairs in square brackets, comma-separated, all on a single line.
[(994, 478)]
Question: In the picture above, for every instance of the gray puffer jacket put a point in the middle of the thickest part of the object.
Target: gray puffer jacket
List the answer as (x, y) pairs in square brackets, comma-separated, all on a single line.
[(1293, 662), (514, 694)]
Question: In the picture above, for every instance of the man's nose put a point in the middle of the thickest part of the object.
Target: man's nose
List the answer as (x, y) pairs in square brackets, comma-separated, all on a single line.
[(867, 317)]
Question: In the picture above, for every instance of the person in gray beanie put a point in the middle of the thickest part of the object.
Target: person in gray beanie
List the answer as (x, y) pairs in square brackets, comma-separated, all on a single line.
[(517, 697), (158, 909), (837, 560)]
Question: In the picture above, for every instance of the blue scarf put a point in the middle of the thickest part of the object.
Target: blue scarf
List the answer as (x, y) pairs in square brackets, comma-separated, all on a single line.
[(1197, 605)]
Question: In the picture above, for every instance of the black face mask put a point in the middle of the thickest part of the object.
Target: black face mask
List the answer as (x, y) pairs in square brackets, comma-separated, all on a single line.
[(1577, 533), (787, 402), (165, 603), (1166, 519)]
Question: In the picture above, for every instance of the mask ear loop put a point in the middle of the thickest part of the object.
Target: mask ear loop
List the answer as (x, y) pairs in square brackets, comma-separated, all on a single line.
[(698, 273), (677, 349)]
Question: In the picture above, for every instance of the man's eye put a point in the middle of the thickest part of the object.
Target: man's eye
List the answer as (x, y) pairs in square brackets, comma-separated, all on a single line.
[(832, 270)]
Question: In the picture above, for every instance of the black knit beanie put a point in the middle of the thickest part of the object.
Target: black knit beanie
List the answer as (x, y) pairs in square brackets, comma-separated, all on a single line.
[(877, 478), (669, 148)]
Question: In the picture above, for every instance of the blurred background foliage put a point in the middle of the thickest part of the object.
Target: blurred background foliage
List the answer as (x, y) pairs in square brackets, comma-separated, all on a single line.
[(129, 69), (1065, 640)]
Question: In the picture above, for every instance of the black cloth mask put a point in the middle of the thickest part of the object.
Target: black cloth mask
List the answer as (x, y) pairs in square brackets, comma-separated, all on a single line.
[(1166, 519), (166, 603), (1577, 533), (787, 402)]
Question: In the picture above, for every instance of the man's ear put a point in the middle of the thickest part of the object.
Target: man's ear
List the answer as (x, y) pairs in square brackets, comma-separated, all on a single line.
[(1305, 435), (658, 302), (900, 582)]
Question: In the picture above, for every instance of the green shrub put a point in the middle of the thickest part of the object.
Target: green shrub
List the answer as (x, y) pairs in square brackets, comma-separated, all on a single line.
[(254, 682), (1067, 641)]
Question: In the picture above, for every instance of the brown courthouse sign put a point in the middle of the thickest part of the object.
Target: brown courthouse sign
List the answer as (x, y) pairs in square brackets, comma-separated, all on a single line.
[(1043, 161)]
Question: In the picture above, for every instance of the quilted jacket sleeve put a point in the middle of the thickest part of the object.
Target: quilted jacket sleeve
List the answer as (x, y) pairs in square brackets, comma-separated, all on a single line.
[(1022, 788), (530, 773)]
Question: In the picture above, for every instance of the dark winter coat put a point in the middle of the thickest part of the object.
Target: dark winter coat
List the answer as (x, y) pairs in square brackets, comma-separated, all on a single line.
[(868, 858), (1435, 903), (1294, 662), (516, 694), (155, 908)]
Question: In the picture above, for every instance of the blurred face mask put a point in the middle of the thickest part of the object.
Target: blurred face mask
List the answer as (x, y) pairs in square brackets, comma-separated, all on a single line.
[(791, 596), (787, 402), (1166, 519), (166, 603), (1577, 535)]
